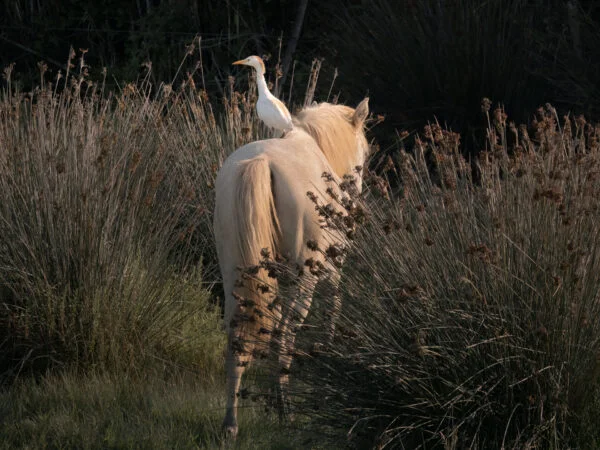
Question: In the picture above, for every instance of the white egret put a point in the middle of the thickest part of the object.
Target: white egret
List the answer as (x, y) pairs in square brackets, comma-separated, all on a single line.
[(270, 109)]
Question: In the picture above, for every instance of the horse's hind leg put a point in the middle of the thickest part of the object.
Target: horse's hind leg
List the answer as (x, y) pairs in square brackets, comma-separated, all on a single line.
[(239, 353), (237, 360), (294, 315), (334, 303)]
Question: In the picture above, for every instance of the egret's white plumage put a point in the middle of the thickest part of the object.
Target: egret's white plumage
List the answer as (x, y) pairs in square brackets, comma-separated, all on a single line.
[(270, 109)]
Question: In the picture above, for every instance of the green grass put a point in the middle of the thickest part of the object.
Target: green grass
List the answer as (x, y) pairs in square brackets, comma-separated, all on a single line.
[(157, 411)]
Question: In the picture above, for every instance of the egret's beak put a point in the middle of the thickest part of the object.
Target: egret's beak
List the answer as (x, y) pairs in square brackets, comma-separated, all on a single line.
[(241, 61)]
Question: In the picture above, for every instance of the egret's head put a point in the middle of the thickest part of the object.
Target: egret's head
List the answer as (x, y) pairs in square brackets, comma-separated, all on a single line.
[(253, 61)]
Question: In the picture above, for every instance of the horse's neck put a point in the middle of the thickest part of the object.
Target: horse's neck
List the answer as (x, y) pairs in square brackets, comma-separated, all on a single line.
[(361, 160)]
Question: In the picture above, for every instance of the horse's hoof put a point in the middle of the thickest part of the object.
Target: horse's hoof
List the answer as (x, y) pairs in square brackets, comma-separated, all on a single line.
[(283, 407), (318, 347), (230, 430)]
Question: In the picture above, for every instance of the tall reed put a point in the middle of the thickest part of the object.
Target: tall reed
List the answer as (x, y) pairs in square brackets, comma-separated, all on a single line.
[(105, 211), (470, 298)]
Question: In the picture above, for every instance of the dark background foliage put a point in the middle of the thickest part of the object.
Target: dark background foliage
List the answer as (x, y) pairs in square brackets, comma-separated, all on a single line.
[(417, 59)]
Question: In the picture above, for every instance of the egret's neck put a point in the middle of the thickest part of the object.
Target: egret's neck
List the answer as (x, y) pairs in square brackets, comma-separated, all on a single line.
[(263, 89)]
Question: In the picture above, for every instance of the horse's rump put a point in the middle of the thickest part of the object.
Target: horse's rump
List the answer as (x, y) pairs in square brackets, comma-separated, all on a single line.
[(250, 219)]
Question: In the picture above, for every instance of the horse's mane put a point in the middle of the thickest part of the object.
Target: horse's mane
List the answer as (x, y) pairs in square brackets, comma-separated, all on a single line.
[(331, 126)]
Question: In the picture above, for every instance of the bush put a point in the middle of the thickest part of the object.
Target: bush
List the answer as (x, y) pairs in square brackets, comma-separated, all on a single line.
[(105, 210), (470, 302)]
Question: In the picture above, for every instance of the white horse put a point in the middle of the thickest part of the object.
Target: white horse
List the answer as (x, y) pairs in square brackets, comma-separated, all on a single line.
[(262, 203)]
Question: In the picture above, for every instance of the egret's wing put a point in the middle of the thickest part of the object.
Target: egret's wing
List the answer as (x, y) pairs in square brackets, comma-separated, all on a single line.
[(274, 113), (282, 109)]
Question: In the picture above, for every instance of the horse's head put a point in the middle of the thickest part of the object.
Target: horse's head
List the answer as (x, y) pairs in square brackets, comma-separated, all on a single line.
[(340, 133)]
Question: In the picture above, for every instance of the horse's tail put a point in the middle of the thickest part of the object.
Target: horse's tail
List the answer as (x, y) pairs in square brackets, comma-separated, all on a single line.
[(257, 233)]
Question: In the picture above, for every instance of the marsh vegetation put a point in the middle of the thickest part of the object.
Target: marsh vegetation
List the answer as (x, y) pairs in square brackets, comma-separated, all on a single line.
[(470, 297)]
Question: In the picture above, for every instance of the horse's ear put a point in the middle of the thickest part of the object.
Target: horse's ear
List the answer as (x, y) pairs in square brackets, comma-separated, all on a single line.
[(361, 113)]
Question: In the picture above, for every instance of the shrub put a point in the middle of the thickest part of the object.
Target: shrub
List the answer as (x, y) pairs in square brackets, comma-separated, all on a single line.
[(470, 303), (105, 208)]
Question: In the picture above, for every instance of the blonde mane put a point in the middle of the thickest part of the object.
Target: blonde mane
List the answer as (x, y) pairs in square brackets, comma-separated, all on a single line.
[(331, 126)]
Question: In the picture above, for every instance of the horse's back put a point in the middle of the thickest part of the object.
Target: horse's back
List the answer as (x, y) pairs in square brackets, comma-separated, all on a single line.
[(296, 165)]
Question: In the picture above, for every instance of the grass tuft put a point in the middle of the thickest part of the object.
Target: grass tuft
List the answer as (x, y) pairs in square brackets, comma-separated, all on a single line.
[(470, 298), (105, 210)]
